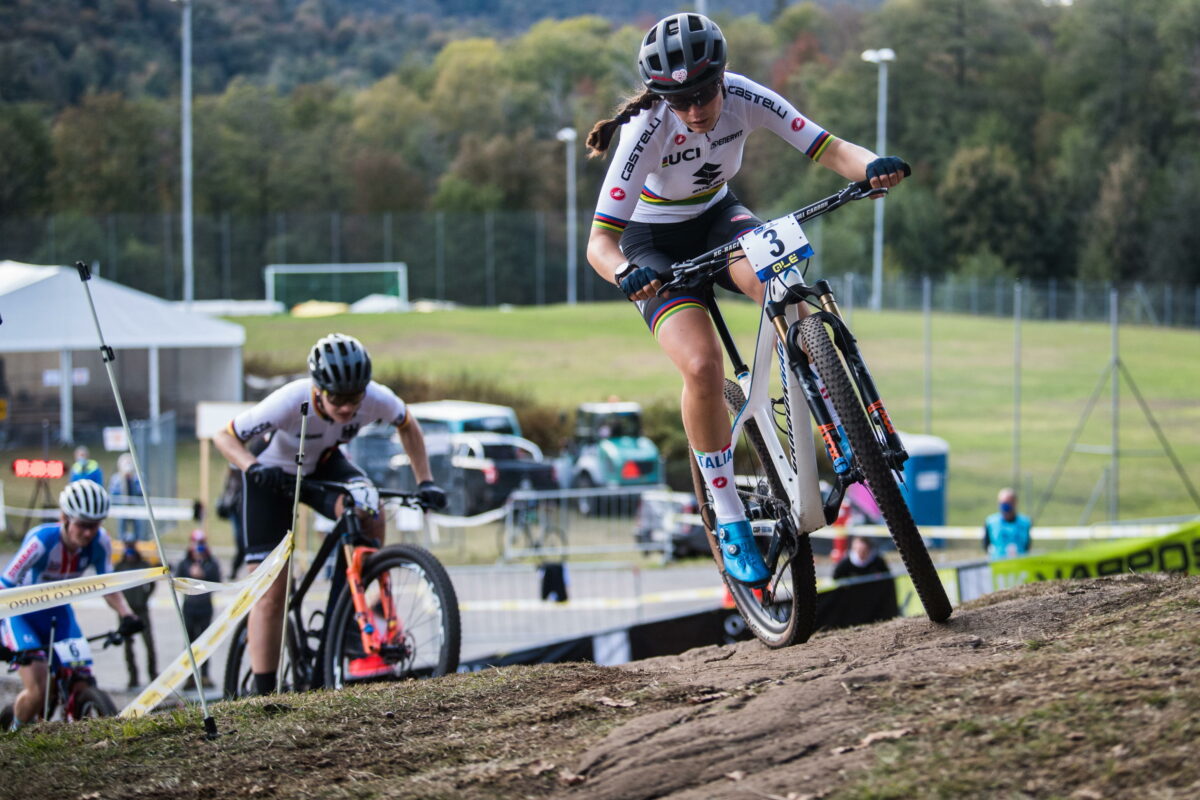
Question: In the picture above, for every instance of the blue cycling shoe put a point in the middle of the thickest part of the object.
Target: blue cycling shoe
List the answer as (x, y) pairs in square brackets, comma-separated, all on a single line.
[(743, 562)]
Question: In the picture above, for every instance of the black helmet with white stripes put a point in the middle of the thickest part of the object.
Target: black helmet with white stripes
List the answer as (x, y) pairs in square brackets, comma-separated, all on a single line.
[(84, 500), (681, 53), (339, 364)]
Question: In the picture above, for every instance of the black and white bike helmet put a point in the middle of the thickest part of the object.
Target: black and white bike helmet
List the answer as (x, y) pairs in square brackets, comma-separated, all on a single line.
[(84, 500), (681, 53), (339, 364)]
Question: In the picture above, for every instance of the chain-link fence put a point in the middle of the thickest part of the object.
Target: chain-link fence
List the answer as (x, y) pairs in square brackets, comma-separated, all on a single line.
[(490, 258)]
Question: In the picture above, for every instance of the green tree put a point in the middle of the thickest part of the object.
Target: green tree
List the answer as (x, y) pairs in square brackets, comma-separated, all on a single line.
[(26, 157), (987, 205)]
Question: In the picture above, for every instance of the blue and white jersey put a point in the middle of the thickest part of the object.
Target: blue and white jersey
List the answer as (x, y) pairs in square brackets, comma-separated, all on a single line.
[(42, 558)]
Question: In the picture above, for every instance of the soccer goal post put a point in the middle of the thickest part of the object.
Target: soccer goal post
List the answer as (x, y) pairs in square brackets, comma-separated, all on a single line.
[(290, 284)]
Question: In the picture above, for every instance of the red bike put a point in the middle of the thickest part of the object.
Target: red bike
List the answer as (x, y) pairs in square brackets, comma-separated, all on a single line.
[(71, 678)]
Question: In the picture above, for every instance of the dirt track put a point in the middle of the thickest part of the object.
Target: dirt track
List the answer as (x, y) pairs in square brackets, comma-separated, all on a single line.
[(1083, 689)]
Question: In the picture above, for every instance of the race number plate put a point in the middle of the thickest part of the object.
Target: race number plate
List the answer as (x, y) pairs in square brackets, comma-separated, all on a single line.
[(73, 652), (776, 246)]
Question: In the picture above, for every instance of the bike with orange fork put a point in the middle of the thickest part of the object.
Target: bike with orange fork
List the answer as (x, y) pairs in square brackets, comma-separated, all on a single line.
[(391, 612)]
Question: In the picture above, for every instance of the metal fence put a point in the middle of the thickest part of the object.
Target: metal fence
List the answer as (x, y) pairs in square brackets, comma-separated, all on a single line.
[(490, 258)]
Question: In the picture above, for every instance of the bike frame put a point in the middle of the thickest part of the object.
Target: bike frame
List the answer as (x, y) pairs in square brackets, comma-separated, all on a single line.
[(354, 556), (778, 336)]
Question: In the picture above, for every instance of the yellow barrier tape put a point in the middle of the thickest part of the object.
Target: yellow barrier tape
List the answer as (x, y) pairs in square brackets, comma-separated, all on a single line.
[(215, 634), (25, 599)]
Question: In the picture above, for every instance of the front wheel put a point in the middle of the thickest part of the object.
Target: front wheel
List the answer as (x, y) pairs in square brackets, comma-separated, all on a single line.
[(785, 612), (91, 702), (880, 480), (413, 620)]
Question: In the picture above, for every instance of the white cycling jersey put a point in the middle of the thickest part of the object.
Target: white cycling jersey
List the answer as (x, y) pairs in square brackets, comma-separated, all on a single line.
[(280, 412), (663, 172)]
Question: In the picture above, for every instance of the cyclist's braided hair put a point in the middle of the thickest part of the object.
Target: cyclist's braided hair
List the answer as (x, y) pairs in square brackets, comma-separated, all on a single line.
[(602, 133)]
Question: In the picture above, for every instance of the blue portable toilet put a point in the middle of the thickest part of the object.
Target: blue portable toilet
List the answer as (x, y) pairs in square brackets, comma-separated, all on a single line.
[(925, 475)]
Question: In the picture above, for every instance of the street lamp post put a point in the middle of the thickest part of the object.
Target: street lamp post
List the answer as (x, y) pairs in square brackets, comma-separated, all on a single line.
[(189, 277), (567, 136), (880, 57)]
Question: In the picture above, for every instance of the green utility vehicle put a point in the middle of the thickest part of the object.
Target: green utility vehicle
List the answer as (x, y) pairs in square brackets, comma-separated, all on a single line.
[(609, 450)]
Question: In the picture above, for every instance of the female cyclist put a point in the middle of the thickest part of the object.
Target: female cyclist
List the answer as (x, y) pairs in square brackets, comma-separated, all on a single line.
[(665, 198)]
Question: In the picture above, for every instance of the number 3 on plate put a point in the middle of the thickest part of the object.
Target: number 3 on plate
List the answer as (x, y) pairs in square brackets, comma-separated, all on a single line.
[(775, 246)]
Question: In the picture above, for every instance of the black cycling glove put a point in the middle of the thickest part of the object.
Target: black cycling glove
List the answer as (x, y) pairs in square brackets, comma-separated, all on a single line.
[(639, 278), (271, 478), (885, 165), (130, 625), (431, 495)]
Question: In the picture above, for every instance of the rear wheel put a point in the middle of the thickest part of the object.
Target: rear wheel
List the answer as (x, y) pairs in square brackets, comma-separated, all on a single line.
[(785, 612), (239, 677), (880, 480), (6, 718), (428, 634)]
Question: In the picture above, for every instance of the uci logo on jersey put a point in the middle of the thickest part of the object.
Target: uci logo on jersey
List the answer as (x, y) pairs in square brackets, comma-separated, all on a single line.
[(691, 154)]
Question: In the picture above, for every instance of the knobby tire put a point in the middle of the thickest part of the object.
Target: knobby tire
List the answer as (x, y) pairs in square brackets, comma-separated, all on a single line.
[(776, 624), (433, 625), (880, 480)]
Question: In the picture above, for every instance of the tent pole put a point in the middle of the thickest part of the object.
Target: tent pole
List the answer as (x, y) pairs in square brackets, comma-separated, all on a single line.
[(66, 409)]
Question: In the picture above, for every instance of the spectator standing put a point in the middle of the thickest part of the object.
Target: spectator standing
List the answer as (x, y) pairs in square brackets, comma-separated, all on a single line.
[(860, 602), (86, 467), (198, 608), (138, 598), (1006, 533), (123, 488)]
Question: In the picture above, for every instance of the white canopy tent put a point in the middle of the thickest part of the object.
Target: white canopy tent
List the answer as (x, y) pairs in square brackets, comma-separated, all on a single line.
[(165, 355)]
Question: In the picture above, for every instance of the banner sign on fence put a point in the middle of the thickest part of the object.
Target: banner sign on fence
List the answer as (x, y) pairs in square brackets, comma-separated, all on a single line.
[(1174, 552)]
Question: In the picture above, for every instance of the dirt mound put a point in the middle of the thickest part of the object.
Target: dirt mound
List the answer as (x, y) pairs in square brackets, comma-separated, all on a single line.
[(1083, 689)]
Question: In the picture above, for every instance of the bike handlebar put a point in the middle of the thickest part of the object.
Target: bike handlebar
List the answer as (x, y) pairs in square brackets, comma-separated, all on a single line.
[(408, 499), (706, 265)]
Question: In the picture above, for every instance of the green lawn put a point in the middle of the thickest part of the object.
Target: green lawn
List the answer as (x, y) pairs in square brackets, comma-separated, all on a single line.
[(563, 355)]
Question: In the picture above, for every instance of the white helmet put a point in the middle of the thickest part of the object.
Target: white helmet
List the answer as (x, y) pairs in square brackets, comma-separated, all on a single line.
[(84, 500)]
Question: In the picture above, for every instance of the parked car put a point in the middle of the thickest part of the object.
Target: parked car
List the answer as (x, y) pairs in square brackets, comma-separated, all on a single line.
[(661, 517), (464, 416), (493, 465), (608, 448)]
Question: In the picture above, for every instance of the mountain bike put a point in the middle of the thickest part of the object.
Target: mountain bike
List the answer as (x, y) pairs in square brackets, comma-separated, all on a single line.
[(778, 483), (71, 678), (391, 613)]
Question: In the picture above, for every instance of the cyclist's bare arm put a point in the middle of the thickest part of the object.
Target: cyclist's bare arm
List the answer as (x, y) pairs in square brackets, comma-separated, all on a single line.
[(604, 253), (850, 161), (233, 449), (116, 601), (413, 440)]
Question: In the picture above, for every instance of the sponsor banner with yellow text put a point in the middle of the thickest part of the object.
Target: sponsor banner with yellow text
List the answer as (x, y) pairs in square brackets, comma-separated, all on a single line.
[(1174, 552)]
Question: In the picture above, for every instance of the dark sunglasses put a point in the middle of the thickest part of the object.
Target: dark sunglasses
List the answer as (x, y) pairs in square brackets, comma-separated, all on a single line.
[(702, 97), (341, 400)]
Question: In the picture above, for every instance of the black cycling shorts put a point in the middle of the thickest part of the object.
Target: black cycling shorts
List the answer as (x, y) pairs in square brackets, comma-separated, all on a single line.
[(267, 515), (658, 245)]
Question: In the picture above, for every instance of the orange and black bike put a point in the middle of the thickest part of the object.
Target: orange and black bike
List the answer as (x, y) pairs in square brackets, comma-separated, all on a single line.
[(391, 612)]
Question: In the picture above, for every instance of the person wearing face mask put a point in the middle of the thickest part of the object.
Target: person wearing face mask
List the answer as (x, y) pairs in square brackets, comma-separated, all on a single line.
[(1006, 533)]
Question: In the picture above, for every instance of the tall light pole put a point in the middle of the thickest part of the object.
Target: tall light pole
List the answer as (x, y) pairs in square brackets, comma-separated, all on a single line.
[(189, 277), (880, 57), (567, 136)]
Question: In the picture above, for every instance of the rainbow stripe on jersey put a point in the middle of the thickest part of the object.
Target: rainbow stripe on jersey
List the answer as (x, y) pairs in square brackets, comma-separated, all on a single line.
[(609, 222), (818, 146), (696, 199)]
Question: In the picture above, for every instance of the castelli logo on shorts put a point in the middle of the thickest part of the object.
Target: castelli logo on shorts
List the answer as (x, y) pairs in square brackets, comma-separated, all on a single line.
[(739, 218), (617, 193), (720, 483), (797, 123), (680, 138)]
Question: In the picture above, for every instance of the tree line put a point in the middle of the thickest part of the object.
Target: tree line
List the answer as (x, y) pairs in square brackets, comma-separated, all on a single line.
[(1047, 140)]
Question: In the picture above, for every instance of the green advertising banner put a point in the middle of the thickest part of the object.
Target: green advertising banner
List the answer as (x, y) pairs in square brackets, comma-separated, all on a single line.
[(1175, 552)]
